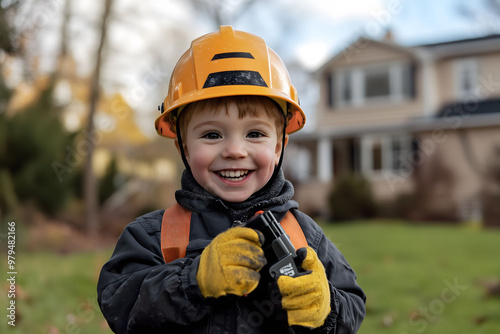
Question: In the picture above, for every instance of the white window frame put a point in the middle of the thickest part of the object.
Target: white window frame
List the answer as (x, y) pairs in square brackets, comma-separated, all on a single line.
[(367, 144), (460, 67), (396, 72), (406, 148)]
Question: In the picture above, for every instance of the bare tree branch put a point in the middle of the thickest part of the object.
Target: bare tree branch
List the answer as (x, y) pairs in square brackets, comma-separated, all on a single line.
[(222, 11)]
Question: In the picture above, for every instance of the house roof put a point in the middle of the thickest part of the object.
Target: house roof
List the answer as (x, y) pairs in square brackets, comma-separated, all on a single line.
[(455, 48), (464, 47), (467, 40), (469, 108), (363, 42)]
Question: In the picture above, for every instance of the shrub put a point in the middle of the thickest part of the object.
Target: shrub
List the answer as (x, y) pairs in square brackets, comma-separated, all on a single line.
[(351, 198)]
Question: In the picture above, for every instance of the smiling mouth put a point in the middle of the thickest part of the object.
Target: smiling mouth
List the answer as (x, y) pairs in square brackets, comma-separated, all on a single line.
[(233, 175)]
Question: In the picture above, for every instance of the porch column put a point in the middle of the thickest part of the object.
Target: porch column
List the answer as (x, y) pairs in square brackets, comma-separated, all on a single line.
[(325, 160)]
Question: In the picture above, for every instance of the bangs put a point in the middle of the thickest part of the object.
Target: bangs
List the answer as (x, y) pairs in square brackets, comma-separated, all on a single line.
[(248, 105)]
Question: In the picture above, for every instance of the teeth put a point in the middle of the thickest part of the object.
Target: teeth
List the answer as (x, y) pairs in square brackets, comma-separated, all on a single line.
[(233, 174)]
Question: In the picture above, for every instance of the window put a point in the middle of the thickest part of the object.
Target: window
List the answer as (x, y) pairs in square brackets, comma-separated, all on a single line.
[(376, 164), (400, 151), (377, 83), (346, 87), (343, 88), (361, 85), (408, 84), (466, 77), (385, 153)]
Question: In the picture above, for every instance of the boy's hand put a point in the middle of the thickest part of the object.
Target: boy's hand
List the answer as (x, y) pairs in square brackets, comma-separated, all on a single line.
[(230, 264), (306, 298)]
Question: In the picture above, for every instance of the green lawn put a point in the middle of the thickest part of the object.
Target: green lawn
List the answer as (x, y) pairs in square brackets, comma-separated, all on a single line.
[(418, 279), (423, 279), (56, 294)]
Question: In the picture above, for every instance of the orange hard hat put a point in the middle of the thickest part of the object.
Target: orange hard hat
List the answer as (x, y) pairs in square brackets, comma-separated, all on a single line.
[(228, 63)]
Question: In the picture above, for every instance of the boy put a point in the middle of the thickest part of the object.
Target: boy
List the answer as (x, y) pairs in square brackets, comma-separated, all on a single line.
[(230, 108)]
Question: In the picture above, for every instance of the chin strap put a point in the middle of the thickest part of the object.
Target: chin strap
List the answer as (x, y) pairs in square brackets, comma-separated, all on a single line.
[(181, 146), (280, 162)]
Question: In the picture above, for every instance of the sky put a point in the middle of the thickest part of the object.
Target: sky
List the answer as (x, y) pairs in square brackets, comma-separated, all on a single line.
[(318, 29), (325, 27), (147, 37)]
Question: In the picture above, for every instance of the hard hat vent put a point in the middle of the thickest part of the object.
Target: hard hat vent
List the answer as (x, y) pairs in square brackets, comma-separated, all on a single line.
[(229, 78), (233, 55)]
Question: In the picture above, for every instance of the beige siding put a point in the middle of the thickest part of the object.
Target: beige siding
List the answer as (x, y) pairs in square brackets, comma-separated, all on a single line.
[(489, 75), (313, 197), (467, 154), (444, 70), (488, 83), (388, 186), (375, 114)]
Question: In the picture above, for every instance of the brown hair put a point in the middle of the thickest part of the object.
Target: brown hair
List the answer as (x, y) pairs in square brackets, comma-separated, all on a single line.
[(246, 104)]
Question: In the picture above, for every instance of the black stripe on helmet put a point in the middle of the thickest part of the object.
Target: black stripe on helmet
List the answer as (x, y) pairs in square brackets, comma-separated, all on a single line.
[(233, 55), (230, 78)]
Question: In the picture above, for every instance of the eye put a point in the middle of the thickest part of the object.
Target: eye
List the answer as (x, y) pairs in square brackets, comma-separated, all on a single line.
[(255, 134), (211, 135)]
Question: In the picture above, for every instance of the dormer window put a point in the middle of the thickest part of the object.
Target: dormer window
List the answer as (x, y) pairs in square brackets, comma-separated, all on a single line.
[(359, 86)]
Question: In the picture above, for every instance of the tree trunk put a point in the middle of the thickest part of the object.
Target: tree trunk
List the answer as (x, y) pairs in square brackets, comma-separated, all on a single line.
[(90, 180), (63, 46)]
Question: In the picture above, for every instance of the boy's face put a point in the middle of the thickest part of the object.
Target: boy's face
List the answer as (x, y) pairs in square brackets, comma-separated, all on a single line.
[(231, 158)]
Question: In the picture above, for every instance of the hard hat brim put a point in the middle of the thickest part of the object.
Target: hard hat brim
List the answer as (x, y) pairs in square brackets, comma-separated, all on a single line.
[(163, 125)]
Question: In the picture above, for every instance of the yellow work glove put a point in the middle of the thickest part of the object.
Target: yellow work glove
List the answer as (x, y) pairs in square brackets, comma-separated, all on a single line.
[(230, 264), (306, 298)]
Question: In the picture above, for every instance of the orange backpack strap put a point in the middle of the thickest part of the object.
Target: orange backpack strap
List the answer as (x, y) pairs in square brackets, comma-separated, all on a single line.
[(294, 231), (176, 224), (175, 227)]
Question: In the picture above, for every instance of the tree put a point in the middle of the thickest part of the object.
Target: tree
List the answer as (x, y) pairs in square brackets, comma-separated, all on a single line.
[(485, 13), (35, 140), (90, 181), (7, 46), (63, 48), (7, 31), (32, 139), (26, 152), (222, 11)]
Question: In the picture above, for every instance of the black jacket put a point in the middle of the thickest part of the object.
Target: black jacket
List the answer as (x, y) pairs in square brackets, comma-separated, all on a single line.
[(139, 293)]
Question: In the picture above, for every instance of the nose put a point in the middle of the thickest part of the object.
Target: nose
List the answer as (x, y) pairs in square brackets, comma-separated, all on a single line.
[(235, 149)]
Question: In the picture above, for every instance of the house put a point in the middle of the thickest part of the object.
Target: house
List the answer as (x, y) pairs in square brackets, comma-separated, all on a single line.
[(421, 121)]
